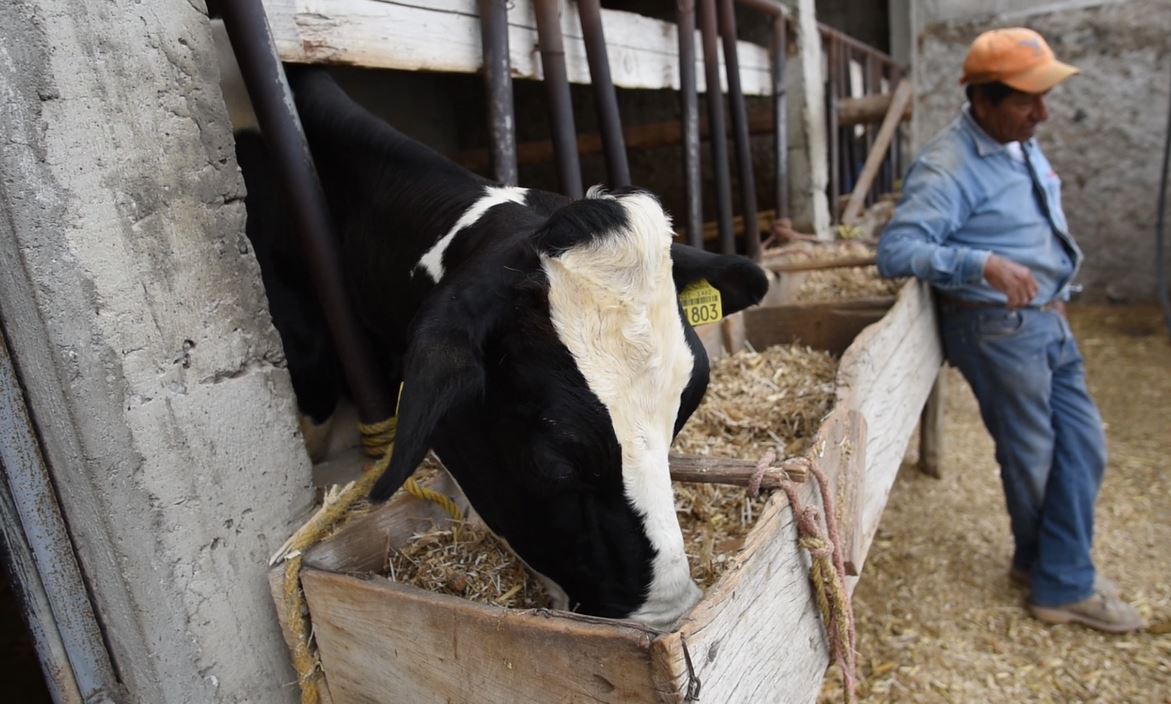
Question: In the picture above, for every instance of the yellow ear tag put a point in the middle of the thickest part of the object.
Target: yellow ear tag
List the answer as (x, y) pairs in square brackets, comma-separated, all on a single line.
[(701, 303)]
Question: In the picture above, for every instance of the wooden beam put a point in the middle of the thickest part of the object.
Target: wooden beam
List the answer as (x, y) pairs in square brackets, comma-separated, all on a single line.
[(931, 430), (646, 136), (877, 153), (780, 264), (723, 470), (444, 36), (868, 109)]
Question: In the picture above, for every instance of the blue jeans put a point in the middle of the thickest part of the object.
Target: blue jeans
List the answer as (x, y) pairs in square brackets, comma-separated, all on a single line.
[(1030, 381)]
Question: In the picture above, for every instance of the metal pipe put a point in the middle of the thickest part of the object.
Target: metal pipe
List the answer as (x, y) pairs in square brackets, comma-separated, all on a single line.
[(498, 82), (868, 88), (770, 7), (690, 119), (727, 21), (831, 112), (265, 79), (780, 48), (70, 627), (561, 126), (716, 129), (617, 168), (827, 31)]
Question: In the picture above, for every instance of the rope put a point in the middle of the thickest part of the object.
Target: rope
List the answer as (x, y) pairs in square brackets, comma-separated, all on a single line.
[(377, 441), (828, 574)]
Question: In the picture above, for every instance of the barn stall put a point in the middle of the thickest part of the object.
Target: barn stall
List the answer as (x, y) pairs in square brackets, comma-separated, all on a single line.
[(186, 357)]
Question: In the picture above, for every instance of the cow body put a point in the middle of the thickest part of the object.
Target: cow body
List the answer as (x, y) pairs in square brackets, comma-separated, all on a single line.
[(540, 342)]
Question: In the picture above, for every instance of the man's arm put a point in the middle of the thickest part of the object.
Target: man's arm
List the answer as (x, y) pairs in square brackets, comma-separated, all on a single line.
[(933, 206)]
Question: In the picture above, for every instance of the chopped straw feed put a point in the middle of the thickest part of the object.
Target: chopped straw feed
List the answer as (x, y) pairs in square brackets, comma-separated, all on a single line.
[(836, 284), (755, 402)]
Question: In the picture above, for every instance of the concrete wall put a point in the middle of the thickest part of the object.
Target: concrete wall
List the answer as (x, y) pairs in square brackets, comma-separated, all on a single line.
[(1107, 125), (138, 324)]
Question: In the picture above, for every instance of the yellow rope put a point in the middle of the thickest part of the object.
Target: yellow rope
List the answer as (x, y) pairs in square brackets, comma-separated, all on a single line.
[(378, 441), (378, 437)]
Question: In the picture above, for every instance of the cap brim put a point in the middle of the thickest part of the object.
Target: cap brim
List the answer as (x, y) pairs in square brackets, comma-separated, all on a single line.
[(1040, 78)]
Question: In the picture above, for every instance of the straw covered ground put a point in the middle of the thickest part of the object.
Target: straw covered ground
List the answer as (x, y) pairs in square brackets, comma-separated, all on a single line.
[(938, 619)]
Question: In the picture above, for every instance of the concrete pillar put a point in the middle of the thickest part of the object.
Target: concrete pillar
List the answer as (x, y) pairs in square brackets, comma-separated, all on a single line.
[(810, 166), (138, 324)]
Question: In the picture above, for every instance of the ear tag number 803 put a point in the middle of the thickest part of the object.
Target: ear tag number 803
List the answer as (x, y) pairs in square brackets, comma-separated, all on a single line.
[(701, 303)]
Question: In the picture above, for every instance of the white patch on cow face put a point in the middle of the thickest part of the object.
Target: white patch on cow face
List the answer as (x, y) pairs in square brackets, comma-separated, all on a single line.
[(432, 261), (613, 305)]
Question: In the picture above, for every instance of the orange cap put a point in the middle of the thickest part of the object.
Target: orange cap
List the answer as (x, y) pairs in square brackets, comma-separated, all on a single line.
[(1017, 57)]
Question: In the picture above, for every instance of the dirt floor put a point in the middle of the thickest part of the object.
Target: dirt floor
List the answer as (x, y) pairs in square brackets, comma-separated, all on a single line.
[(939, 620)]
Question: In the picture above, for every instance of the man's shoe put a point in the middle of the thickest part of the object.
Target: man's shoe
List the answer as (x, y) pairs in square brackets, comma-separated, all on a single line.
[(1101, 611), (1102, 584)]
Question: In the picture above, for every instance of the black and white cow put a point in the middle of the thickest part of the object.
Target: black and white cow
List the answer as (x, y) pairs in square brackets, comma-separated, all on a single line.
[(541, 343)]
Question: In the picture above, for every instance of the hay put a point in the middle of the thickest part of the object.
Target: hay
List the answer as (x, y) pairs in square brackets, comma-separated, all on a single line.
[(470, 563), (755, 402), (842, 284), (939, 620), (836, 284)]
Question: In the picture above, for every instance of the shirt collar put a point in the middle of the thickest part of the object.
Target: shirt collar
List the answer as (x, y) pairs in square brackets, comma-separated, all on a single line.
[(985, 145)]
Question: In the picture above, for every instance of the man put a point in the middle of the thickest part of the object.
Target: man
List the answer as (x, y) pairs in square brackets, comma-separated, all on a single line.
[(980, 219)]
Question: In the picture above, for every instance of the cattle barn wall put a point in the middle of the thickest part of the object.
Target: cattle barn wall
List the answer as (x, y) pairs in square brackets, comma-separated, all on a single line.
[(1106, 128), (135, 315)]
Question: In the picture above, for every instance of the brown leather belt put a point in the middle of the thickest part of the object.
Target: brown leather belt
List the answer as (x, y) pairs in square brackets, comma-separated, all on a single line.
[(947, 301)]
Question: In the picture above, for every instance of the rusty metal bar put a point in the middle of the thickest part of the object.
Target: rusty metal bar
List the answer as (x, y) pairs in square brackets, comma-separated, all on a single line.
[(563, 133), (896, 75), (831, 88), (689, 107), (727, 22), (847, 140), (617, 168), (868, 131), (717, 128), (780, 48), (265, 79), (498, 82)]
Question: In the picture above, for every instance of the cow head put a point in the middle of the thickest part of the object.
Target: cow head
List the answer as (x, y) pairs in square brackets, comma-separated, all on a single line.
[(551, 377)]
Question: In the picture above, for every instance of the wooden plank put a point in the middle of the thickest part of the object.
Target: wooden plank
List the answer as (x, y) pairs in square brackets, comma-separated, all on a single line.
[(887, 375), (868, 109), (902, 96), (360, 544), (386, 642), (931, 430), (830, 325), (712, 337), (444, 35), (733, 332), (782, 264), (757, 634), (839, 452)]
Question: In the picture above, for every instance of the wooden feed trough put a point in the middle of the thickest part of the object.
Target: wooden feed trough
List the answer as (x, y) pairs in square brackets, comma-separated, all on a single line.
[(755, 637)]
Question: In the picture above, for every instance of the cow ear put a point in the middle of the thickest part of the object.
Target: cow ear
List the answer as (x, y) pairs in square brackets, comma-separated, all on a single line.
[(443, 370), (740, 281)]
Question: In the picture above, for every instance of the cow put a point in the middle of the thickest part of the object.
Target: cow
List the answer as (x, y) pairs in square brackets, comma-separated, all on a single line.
[(541, 345)]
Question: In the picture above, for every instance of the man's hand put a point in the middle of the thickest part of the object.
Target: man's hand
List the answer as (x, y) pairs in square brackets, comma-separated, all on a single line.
[(1011, 279)]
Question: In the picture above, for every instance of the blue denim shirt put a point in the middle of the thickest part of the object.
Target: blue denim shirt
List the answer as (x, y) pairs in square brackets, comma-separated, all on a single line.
[(966, 197)]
